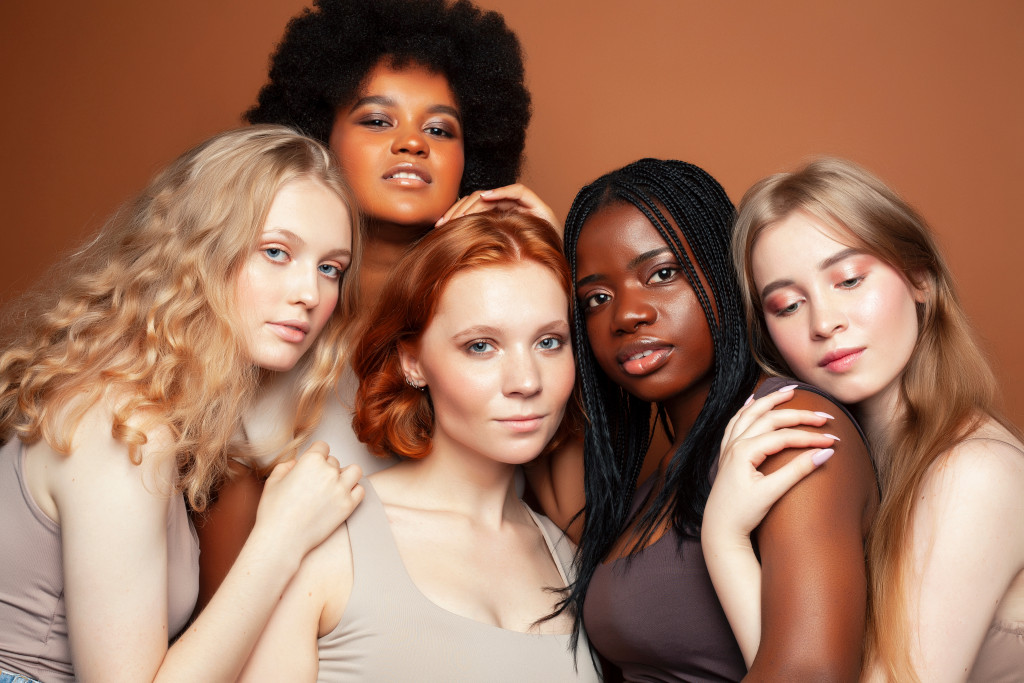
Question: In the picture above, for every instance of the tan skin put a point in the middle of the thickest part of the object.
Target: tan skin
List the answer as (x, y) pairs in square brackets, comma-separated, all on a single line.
[(406, 122), (813, 580)]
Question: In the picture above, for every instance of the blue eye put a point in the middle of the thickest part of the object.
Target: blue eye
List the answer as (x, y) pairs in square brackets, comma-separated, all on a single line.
[(275, 253), (330, 270), (480, 347), (550, 343)]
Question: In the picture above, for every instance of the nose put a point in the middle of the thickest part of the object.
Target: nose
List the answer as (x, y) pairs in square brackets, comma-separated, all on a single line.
[(521, 373), (631, 310), (826, 319), (410, 140), (305, 287)]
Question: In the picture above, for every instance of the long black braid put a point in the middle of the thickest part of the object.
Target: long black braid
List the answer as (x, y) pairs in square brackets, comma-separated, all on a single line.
[(619, 425)]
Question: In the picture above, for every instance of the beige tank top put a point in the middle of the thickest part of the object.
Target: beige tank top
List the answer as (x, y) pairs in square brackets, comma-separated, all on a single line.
[(33, 619), (390, 631)]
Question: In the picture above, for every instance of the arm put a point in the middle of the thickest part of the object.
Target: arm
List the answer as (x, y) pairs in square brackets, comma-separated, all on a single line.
[(516, 197), (113, 518), (556, 480), (224, 527), (813, 582), (311, 607), (968, 546), (742, 495)]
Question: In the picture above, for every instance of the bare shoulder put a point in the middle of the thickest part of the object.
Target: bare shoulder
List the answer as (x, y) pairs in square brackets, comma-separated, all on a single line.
[(984, 471)]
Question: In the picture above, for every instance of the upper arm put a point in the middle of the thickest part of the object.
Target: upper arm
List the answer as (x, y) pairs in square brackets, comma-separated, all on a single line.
[(556, 480), (114, 546), (814, 585), (287, 647), (968, 545), (224, 527)]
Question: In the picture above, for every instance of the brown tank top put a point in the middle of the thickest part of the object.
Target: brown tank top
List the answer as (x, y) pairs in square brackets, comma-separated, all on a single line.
[(656, 616)]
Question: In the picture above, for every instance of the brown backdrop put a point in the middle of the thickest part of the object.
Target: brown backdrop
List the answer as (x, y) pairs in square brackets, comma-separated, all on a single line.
[(100, 94)]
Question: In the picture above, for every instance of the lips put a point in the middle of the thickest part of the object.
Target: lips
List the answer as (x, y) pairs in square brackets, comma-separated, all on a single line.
[(840, 359), (293, 331), (522, 423), (644, 356), (408, 174)]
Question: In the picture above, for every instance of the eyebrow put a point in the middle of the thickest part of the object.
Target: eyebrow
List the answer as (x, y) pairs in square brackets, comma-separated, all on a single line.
[(826, 262), (385, 101), (487, 330), (285, 232), (633, 263)]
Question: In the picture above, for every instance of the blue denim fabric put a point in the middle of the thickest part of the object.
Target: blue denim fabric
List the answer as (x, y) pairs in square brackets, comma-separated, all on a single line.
[(15, 678)]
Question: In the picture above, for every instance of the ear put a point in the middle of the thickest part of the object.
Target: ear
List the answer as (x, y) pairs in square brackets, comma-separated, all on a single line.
[(409, 358), (921, 284)]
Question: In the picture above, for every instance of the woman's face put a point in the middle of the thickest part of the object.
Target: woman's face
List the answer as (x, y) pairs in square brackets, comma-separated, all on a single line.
[(497, 362), (841, 318), (646, 327), (287, 288), (400, 145)]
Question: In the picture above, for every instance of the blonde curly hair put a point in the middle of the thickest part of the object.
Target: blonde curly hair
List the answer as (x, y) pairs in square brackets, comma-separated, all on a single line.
[(147, 307)]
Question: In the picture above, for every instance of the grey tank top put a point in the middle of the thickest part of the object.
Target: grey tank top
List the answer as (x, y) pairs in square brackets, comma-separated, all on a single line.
[(390, 631), (33, 618)]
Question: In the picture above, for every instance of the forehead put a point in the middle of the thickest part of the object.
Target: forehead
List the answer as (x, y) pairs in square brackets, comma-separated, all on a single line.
[(406, 83), (502, 296)]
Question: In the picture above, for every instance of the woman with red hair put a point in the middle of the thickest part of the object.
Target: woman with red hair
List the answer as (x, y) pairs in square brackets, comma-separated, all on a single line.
[(465, 370)]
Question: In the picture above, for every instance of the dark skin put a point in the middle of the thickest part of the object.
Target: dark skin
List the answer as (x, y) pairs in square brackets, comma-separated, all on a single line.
[(813, 578), (402, 119)]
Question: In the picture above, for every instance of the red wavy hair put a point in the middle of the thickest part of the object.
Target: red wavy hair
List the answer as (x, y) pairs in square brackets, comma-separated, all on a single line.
[(391, 417)]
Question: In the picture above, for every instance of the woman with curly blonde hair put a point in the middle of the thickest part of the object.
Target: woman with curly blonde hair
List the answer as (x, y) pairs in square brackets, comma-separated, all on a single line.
[(122, 391)]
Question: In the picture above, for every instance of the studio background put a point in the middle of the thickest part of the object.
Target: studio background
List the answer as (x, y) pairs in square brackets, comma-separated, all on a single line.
[(99, 95)]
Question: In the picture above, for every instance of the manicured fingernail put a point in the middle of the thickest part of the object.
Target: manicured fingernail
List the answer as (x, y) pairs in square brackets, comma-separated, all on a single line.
[(788, 387), (750, 399), (825, 415), (833, 437), (821, 456), (487, 193)]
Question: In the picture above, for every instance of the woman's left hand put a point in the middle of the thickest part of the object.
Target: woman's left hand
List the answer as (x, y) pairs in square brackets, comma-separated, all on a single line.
[(515, 197)]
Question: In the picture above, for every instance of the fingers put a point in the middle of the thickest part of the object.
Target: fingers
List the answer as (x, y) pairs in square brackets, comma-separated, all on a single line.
[(778, 483), (756, 449), (513, 197)]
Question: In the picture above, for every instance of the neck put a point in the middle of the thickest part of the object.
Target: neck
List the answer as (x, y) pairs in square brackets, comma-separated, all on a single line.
[(683, 410), (468, 484), (384, 244), (878, 417)]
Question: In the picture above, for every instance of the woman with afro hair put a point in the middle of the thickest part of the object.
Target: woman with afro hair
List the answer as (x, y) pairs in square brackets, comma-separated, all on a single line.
[(424, 103)]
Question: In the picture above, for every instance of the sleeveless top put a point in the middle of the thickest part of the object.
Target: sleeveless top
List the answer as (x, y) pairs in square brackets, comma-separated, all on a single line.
[(390, 631), (656, 614), (33, 621)]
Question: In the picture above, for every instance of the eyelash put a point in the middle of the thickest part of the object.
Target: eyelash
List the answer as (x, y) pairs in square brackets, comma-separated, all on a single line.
[(472, 349), (335, 274), (672, 272)]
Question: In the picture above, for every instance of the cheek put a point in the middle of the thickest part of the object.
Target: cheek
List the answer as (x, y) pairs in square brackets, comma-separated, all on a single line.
[(786, 340)]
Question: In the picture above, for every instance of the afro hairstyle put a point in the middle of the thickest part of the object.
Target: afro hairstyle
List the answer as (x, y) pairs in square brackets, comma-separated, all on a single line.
[(328, 50)]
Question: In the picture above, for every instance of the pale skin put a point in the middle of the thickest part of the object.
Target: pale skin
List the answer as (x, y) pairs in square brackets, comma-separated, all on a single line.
[(466, 540), (113, 514), (966, 561)]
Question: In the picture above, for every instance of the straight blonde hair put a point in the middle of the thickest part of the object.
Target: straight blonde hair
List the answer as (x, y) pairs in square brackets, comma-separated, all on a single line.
[(946, 390)]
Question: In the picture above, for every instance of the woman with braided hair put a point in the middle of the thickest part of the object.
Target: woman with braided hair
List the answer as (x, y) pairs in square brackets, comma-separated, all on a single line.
[(659, 331)]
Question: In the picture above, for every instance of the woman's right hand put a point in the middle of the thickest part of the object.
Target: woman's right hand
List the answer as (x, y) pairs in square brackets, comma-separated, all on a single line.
[(742, 495), (306, 499)]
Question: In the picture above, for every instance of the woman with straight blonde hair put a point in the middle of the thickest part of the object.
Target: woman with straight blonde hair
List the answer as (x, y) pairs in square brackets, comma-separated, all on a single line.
[(846, 289), (123, 384)]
